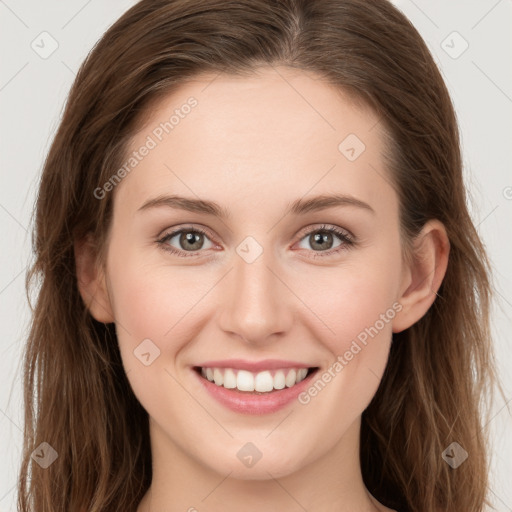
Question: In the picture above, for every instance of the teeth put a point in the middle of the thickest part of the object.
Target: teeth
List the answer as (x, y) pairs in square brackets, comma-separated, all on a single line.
[(279, 380), (229, 379), (245, 381), (218, 377), (301, 374), (291, 378), (261, 382)]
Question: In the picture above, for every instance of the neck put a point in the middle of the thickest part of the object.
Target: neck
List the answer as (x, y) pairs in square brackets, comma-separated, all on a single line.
[(331, 482)]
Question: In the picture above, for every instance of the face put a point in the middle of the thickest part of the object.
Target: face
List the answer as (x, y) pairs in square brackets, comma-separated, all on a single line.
[(282, 258)]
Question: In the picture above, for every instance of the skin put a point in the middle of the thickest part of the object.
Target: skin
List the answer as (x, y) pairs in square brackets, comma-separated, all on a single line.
[(254, 145)]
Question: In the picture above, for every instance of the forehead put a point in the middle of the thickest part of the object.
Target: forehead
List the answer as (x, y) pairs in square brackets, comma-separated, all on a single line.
[(268, 104), (276, 130)]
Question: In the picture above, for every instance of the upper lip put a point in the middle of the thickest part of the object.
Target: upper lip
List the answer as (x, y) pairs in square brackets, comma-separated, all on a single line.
[(253, 366)]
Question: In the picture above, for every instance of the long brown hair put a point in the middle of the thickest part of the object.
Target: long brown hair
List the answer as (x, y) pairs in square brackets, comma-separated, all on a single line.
[(441, 370)]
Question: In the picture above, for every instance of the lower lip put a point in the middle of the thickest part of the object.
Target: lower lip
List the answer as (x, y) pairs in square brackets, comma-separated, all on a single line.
[(248, 403)]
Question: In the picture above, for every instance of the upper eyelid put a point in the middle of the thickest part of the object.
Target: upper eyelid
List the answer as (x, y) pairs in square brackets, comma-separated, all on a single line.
[(174, 231), (324, 227)]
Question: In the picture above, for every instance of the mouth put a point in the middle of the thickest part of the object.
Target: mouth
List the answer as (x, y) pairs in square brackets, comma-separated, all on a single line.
[(265, 382)]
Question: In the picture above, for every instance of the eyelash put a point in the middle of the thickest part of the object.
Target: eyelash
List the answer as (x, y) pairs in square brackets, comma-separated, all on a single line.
[(346, 239)]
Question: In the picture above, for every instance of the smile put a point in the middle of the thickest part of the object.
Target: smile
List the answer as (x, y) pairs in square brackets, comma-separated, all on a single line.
[(254, 387), (261, 382)]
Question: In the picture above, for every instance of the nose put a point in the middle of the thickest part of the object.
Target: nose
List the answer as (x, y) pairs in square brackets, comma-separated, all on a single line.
[(257, 306)]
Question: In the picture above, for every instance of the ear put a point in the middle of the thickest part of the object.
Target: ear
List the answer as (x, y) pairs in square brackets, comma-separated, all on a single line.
[(91, 280), (423, 274)]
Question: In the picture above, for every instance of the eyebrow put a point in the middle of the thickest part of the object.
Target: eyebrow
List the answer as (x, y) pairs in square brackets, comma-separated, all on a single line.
[(297, 207)]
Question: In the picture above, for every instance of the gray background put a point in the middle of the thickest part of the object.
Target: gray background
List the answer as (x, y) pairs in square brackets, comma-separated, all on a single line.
[(33, 87)]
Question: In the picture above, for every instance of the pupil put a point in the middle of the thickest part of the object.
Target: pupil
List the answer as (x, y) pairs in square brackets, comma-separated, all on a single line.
[(193, 239), (321, 238)]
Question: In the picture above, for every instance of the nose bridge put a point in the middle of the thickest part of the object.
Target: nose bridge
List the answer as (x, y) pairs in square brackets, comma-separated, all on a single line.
[(256, 303)]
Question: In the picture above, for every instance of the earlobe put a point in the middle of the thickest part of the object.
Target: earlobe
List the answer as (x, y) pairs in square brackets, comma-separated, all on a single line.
[(91, 280), (423, 275)]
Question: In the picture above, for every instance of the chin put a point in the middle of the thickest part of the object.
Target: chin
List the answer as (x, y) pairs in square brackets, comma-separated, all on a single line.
[(267, 467)]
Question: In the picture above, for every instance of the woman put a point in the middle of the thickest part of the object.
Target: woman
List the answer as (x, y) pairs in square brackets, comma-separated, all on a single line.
[(260, 286)]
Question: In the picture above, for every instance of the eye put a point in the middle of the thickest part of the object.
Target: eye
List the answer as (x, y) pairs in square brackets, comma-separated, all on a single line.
[(322, 240), (187, 240)]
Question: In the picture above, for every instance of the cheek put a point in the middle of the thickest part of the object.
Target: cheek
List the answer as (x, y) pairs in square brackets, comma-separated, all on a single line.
[(155, 315), (353, 301), (357, 305), (158, 303), (360, 313), (140, 305)]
